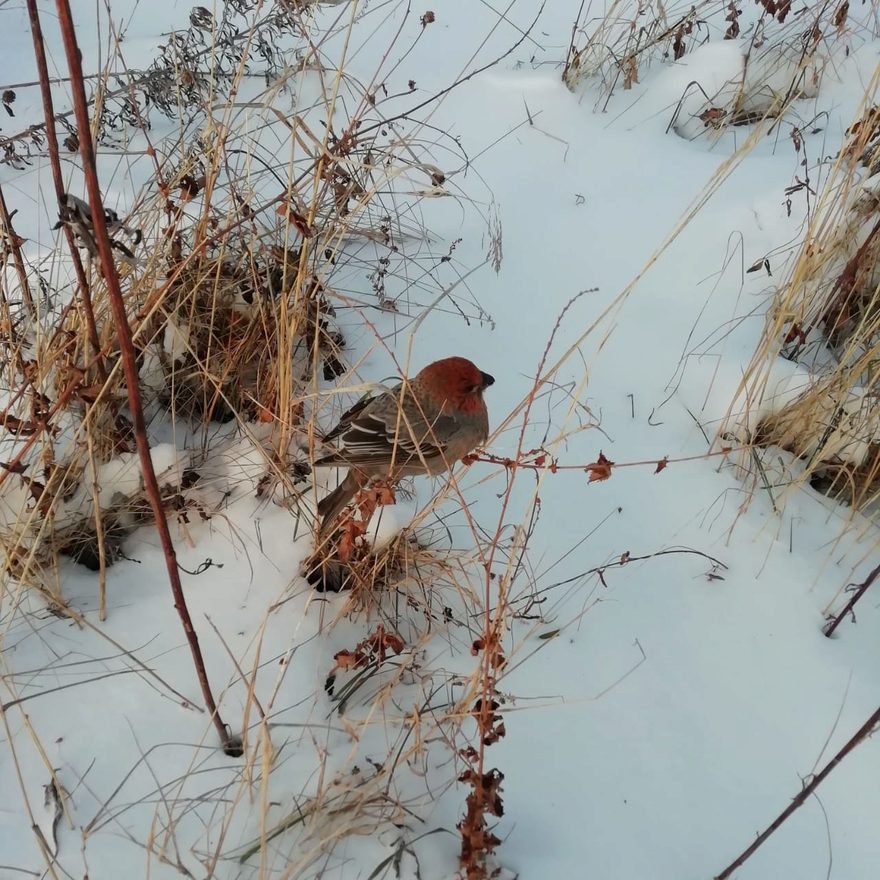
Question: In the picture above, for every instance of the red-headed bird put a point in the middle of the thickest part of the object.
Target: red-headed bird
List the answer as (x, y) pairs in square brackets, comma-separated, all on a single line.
[(421, 426)]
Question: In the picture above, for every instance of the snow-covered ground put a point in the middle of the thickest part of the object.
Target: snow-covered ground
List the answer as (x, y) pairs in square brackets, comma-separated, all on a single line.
[(659, 713)]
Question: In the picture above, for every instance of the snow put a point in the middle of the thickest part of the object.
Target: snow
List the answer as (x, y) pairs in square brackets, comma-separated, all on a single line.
[(657, 716)]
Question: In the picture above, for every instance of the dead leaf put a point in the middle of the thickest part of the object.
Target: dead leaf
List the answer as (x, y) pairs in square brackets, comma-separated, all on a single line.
[(345, 660), (296, 219), (599, 469), (755, 266), (713, 116)]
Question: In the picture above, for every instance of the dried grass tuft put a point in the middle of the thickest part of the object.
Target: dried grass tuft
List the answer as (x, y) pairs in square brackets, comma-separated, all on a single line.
[(784, 55), (825, 321)]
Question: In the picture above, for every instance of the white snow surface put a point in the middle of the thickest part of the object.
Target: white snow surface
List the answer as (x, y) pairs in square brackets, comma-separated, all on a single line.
[(657, 718)]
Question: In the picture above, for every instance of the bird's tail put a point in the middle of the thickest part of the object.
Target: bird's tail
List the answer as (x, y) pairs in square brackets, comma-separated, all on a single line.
[(333, 504)]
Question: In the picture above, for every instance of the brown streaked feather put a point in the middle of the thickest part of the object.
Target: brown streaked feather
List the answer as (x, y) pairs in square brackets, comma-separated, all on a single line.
[(351, 414), (366, 439)]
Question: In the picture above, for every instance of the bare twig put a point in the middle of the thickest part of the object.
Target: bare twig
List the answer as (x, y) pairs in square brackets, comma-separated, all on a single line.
[(526, 34), (861, 734), (230, 744), (15, 249), (860, 591), (539, 459), (484, 798), (55, 163), (5, 707)]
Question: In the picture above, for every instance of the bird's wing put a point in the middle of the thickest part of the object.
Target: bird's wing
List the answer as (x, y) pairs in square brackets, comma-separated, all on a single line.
[(346, 419), (366, 438), (369, 437)]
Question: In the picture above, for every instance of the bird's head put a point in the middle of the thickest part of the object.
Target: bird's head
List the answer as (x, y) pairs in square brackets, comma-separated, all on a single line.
[(457, 380)]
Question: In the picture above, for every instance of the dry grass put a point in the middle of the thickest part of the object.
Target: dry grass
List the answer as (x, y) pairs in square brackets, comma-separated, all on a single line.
[(258, 226), (258, 223), (824, 318), (825, 314), (784, 54), (234, 293)]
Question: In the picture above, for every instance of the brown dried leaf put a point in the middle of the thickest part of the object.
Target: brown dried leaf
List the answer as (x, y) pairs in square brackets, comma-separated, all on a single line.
[(713, 116), (393, 642), (599, 469), (346, 660)]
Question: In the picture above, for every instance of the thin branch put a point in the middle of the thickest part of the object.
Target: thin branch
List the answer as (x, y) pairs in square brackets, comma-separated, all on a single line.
[(5, 707), (860, 591), (14, 243), (231, 745), (58, 180), (627, 559), (526, 35), (861, 734), (539, 459)]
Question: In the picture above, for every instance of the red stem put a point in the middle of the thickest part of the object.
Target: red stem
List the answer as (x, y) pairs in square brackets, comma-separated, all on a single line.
[(231, 745)]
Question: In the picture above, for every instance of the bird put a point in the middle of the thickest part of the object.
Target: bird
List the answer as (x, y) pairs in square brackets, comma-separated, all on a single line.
[(420, 426)]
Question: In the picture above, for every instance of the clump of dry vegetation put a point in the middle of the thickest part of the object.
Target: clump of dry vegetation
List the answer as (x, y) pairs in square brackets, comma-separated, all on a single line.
[(276, 218), (825, 319), (782, 58), (825, 315), (232, 294)]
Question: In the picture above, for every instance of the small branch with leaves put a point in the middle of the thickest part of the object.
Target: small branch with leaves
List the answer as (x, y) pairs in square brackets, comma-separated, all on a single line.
[(539, 459)]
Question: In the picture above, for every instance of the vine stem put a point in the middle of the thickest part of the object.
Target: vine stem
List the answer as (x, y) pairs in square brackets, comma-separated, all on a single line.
[(231, 745)]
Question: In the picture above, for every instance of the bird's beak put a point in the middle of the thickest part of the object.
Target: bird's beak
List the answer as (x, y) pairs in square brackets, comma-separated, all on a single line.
[(487, 379)]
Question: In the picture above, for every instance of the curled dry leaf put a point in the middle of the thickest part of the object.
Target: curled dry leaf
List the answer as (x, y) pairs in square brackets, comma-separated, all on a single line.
[(352, 531), (599, 469), (296, 219), (713, 116), (346, 659), (373, 649)]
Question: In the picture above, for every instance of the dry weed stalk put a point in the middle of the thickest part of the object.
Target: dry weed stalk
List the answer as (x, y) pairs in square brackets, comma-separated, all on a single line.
[(858, 590), (478, 842), (57, 178), (803, 795)]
